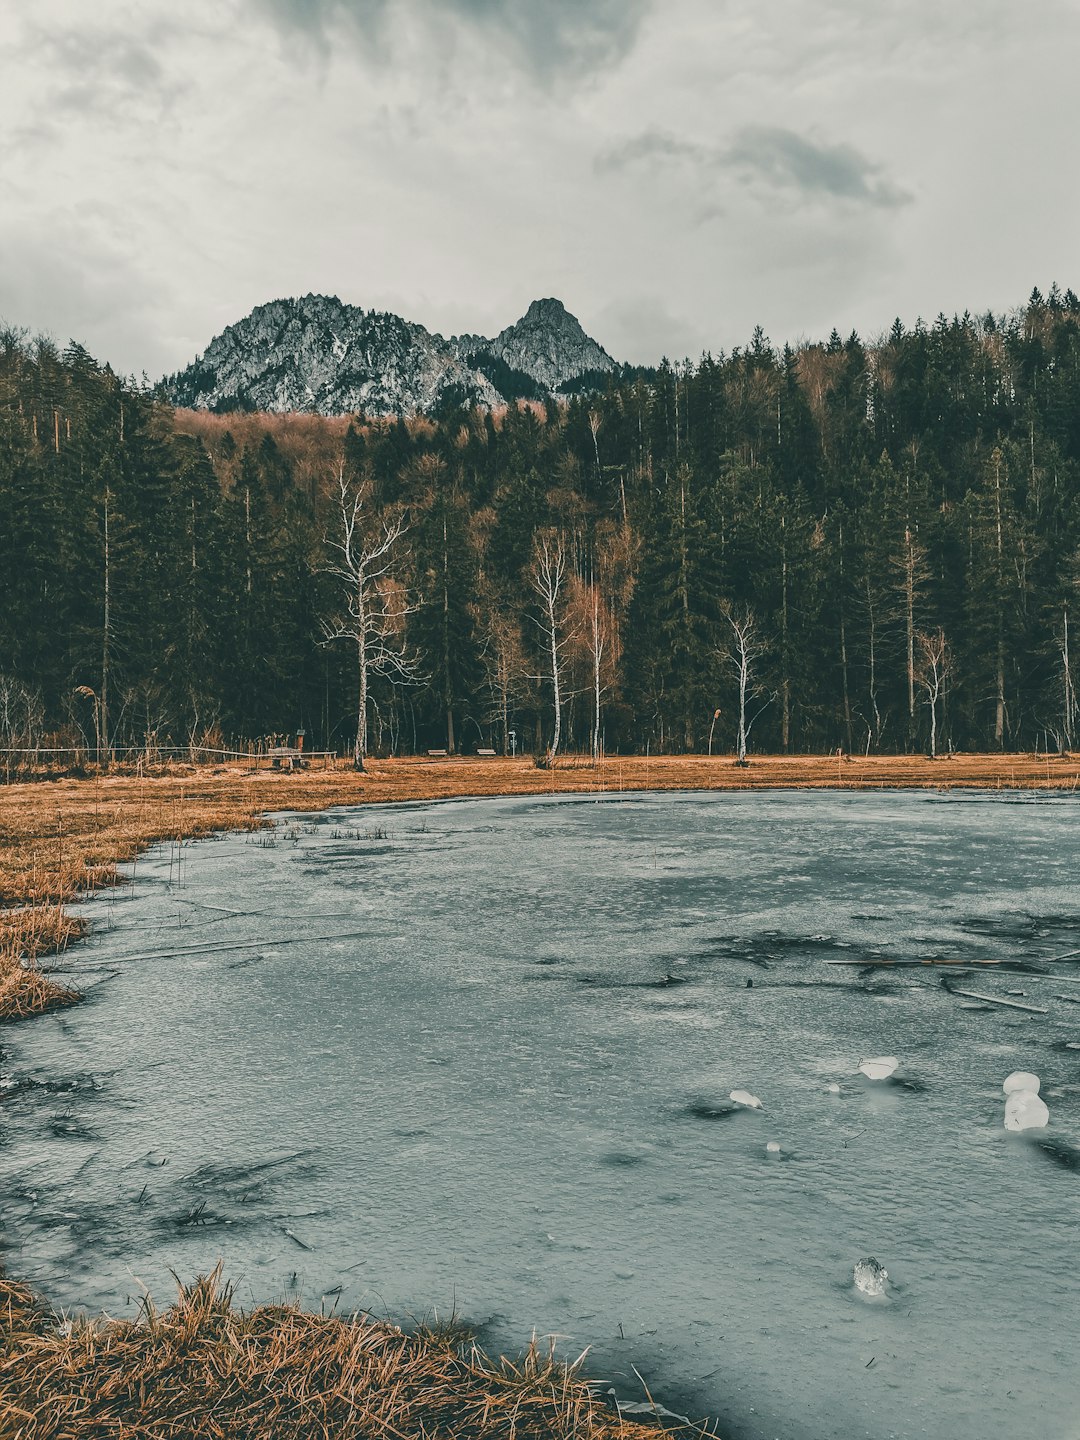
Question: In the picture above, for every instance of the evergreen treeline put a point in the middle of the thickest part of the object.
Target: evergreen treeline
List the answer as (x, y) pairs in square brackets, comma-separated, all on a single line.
[(898, 522)]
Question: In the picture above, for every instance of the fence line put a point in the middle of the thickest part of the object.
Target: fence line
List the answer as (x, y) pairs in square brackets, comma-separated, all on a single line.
[(128, 754)]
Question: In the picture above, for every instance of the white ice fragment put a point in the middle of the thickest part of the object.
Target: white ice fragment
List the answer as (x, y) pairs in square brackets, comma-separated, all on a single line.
[(879, 1068), (870, 1276), (1021, 1080), (832, 1088), (773, 1147), (743, 1097), (1024, 1110)]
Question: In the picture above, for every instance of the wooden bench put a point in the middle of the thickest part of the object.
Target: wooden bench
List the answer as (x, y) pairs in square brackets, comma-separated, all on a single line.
[(485, 752), (287, 757), (436, 753)]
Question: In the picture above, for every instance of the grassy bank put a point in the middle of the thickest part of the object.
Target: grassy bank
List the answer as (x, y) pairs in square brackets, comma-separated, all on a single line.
[(205, 1368)]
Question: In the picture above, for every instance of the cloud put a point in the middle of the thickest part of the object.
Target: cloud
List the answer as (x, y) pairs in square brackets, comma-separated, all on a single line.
[(67, 277), (641, 328), (769, 159), (97, 69), (783, 160), (550, 40)]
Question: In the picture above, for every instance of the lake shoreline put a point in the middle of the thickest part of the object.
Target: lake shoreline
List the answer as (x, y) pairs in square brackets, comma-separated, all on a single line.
[(62, 838)]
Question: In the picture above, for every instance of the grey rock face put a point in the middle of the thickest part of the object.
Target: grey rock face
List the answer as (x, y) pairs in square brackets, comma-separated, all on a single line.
[(318, 354), (549, 344)]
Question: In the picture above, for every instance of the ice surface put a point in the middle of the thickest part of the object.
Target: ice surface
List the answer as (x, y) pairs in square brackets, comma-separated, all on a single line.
[(879, 1068), (1021, 1080), (870, 1276), (744, 1097), (480, 1096), (1025, 1110)]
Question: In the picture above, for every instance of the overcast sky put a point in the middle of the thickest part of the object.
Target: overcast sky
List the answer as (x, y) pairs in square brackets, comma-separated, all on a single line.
[(676, 171)]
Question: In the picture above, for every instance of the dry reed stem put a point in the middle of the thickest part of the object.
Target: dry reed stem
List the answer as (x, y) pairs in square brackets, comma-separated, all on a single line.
[(204, 1368)]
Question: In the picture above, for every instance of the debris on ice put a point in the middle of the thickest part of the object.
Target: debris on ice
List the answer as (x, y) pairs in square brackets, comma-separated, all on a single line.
[(870, 1276), (1021, 1080), (743, 1097), (879, 1068)]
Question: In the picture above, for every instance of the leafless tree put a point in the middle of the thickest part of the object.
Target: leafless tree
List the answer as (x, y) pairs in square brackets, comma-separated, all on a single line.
[(932, 668), (502, 656), (22, 714), (1069, 706), (547, 576), (744, 649), (368, 565), (910, 565)]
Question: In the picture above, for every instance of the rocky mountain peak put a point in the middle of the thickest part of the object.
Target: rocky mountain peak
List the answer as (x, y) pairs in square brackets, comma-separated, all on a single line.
[(317, 353)]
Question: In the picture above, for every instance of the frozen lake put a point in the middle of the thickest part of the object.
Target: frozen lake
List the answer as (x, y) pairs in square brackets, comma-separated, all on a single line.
[(504, 1089)]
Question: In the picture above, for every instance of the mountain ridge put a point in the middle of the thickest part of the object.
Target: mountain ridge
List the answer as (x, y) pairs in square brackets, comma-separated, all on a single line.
[(319, 354)]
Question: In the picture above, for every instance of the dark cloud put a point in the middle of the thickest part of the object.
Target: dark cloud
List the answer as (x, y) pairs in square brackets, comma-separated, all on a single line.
[(98, 71), (550, 39), (768, 158), (785, 160)]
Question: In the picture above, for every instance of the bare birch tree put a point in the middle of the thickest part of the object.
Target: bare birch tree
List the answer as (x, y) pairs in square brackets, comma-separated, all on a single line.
[(1068, 685), (932, 671), (547, 576), (744, 649), (910, 564), (376, 601), (595, 627)]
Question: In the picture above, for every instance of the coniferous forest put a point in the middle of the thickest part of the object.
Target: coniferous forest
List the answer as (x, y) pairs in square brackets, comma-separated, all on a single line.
[(873, 546)]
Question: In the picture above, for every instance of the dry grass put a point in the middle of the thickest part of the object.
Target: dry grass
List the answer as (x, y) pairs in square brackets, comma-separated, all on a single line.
[(203, 1368), (59, 838)]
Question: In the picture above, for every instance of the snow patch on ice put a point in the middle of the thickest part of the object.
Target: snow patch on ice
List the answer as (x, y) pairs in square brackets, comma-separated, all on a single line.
[(1024, 1109), (744, 1097), (881, 1067)]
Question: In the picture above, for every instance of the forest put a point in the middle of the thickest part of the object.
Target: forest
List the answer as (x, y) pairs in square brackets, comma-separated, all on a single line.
[(866, 546)]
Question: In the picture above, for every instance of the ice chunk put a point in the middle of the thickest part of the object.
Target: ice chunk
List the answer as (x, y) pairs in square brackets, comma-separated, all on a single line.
[(879, 1068), (870, 1276), (743, 1097), (832, 1088), (773, 1147), (1024, 1110), (1021, 1080)]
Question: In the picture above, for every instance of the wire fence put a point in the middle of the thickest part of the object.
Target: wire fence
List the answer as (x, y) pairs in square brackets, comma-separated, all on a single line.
[(23, 759)]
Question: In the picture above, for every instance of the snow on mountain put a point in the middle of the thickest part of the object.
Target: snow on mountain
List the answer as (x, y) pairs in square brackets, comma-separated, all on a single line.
[(318, 354)]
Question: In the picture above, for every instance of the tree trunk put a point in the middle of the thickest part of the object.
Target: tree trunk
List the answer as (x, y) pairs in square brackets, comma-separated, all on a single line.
[(785, 681), (360, 748)]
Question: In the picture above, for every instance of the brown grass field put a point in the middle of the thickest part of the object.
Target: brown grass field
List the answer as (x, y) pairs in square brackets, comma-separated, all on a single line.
[(203, 1367)]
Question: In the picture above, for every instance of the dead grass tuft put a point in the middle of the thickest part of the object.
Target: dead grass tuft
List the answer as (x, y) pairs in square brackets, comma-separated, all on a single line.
[(204, 1368), (26, 934)]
